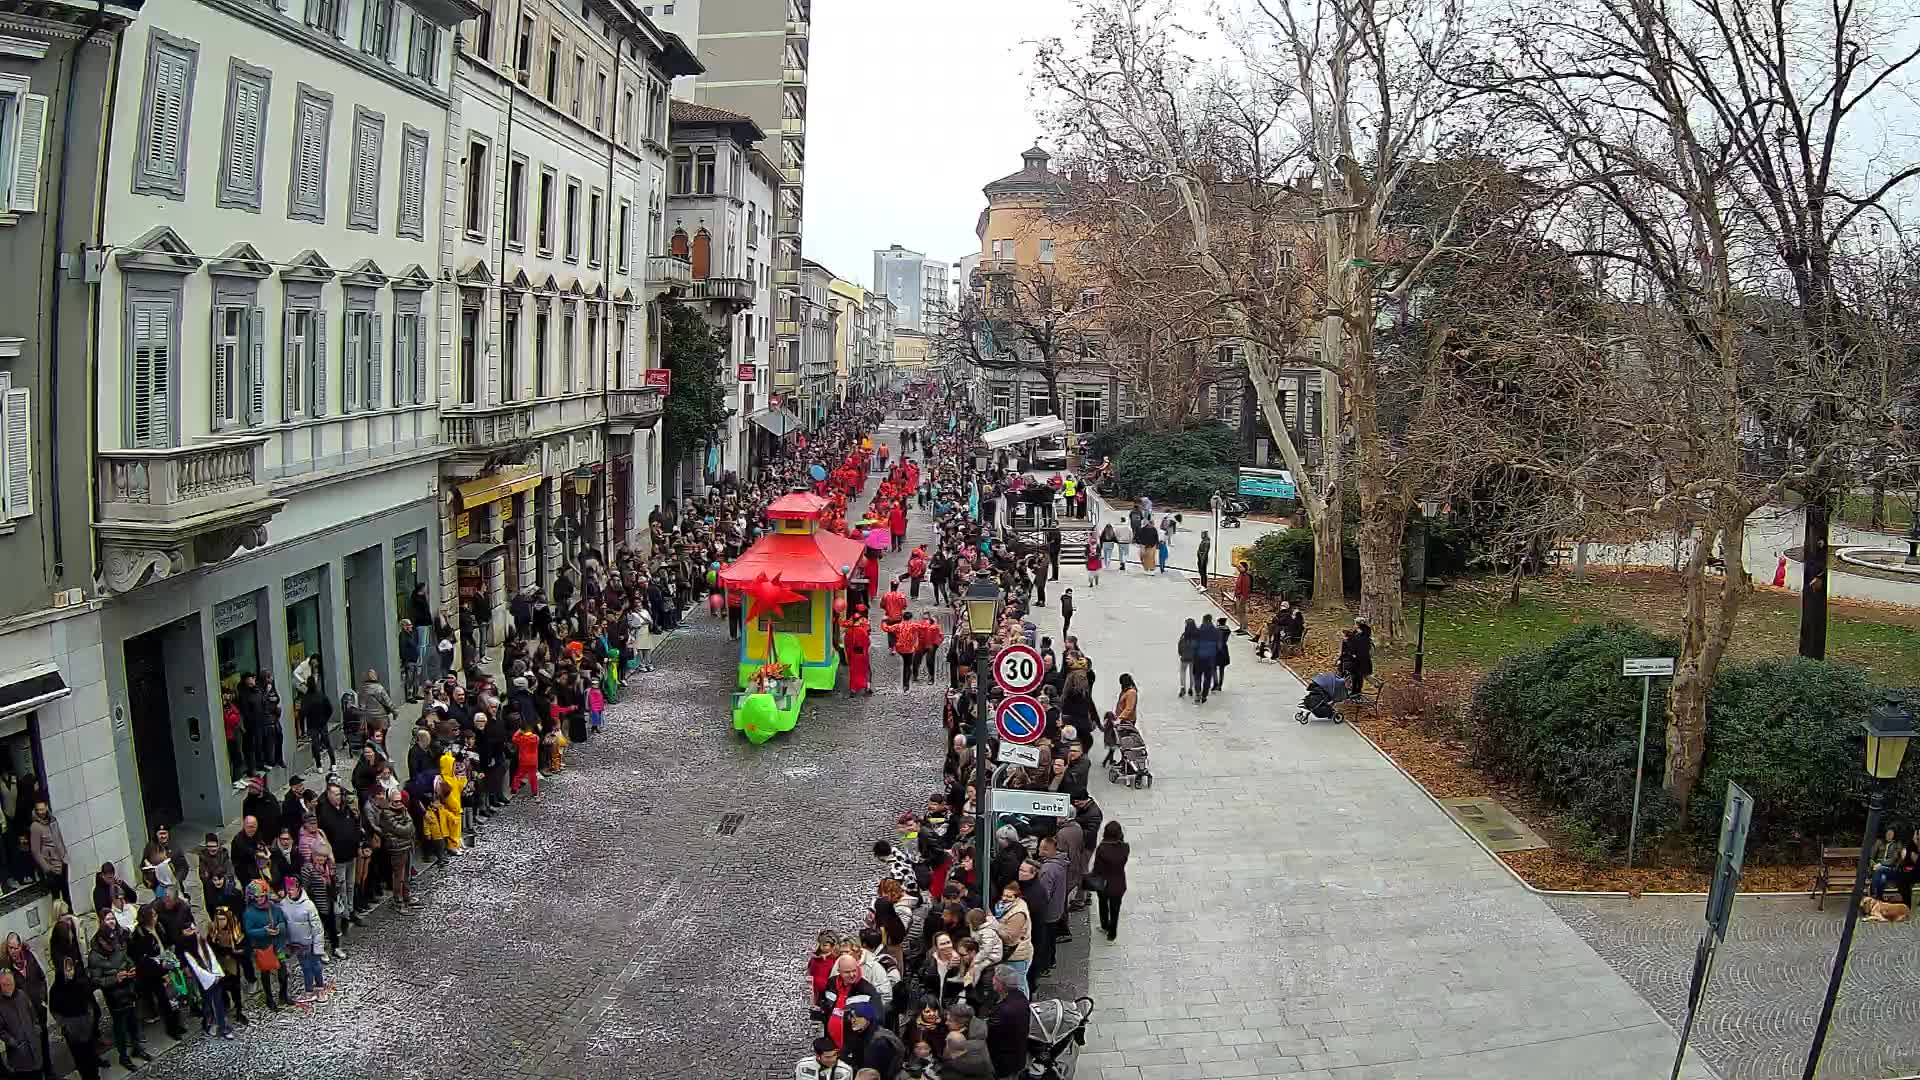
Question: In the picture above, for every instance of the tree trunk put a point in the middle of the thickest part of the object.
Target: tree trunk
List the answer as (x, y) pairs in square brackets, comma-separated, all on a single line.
[(1707, 627), (1381, 573), (1383, 511), (1329, 570), (1877, 507)]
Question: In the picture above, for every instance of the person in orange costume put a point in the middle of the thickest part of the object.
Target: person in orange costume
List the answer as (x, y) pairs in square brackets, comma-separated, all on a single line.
[(526, 768), (906, 642)]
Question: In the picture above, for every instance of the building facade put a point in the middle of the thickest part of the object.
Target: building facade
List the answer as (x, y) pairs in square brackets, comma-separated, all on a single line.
[(935, 309), (900, 275), (852, 336), (554, 250), (811, 317), (266, 413), (755, 55), (720, 216), (56, 730)]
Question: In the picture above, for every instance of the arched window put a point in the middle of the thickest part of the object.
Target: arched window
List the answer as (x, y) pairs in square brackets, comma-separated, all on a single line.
[(702, 254), (678, 245)]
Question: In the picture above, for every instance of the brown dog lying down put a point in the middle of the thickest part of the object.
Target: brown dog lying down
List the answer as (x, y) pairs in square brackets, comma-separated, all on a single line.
[(1882, 911)]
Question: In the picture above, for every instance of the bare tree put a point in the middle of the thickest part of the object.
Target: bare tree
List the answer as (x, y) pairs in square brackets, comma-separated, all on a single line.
[(1027, 319)]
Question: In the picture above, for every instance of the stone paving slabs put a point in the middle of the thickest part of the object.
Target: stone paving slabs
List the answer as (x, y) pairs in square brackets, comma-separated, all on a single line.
[(1769, 980), (1299, 908)]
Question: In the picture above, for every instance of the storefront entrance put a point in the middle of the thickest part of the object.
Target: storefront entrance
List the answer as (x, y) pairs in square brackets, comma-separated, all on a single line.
[(406, 572), (177, 734)]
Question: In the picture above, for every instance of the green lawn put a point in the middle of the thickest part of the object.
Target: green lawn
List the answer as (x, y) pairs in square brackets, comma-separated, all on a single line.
[(1470, 627)]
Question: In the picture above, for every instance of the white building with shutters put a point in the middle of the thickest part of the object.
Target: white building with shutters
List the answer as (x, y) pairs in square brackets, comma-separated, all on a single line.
[(556, 161), (266, 408)]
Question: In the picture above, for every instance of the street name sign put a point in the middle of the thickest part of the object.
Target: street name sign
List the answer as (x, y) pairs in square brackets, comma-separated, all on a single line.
[(1032, 803)]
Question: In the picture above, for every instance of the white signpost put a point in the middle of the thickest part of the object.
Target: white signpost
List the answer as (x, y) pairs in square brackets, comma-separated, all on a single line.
[(1032, 803), (1015, 754), (1646, 669)]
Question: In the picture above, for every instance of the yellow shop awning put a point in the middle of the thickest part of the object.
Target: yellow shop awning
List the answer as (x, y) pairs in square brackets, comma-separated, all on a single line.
[(488, 489)]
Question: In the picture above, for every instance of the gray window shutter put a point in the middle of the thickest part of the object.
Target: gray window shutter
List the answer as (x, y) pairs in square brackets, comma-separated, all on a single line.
[(256, 366), (19, 452), (290, 403), (373, 366), (29, 151), (317, 378), (169, 114), (222, 371), (417, 341), (350, 359)]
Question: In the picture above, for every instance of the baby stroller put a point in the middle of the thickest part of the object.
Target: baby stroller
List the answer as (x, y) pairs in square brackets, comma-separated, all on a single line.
[(1131, 769), (1058, 1031), (1323, 693)]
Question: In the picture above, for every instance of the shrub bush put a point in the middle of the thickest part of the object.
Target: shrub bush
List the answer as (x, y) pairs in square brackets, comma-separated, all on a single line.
[(1282, 563), (1177, 468), (1562, 720)]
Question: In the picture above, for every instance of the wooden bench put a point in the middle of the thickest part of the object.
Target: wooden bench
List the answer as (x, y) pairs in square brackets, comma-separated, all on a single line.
[(1372, 689), (1846, 857)]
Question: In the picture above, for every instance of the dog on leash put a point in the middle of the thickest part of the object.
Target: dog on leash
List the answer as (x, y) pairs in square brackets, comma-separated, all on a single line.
[(1882, 911)]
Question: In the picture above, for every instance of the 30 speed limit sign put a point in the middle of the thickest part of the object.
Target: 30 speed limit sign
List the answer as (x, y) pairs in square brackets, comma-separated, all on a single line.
[(1016, 669)]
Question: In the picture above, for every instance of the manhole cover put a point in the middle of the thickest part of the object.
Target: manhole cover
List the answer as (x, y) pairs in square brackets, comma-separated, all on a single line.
[(1493, 824), (730, 823)]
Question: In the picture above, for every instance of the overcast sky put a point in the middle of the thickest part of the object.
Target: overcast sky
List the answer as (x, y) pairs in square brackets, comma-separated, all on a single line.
[(912, 107)]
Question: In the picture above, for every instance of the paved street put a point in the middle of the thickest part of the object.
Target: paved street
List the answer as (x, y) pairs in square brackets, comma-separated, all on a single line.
[(609, 929), (1299, 908), (1768, 981)]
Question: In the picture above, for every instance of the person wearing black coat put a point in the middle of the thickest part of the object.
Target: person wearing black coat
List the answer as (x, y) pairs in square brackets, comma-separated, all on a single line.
[(253, 720), (1220, 663), (1356, 656), (1110, 866), (316, 719), (1007, 1025), (293, 808), (884, 1054), (261, 805)]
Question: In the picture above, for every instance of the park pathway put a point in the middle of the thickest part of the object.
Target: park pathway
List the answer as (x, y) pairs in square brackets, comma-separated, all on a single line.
[(1298, 907)]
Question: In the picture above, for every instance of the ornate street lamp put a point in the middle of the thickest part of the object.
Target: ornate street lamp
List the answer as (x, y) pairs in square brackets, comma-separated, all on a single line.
[(1429, 509), (983, 611), (1889, 727)]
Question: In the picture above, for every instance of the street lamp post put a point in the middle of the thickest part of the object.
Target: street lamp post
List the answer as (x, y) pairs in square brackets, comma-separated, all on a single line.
[(983, 610), (1429, 509), (582, 478), (1889, 726), (1913, 529)]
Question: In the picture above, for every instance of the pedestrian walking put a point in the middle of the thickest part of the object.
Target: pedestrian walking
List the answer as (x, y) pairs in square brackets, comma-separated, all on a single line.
[(1109, 876), (1184, 647), (1202, 554)]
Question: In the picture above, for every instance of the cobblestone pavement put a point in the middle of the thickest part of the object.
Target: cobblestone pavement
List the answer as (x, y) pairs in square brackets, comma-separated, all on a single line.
[(1297, 908), (607, 928), (1769, 980)]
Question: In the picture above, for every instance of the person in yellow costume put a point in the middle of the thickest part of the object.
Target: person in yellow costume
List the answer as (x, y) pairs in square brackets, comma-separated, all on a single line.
[(452, 787)]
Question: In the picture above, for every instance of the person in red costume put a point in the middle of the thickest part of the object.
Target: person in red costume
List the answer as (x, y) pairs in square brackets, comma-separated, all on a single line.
[(897, 521), (858, 640)]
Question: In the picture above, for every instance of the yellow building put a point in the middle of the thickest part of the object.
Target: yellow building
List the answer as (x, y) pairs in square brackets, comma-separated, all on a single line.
[(852, 335)]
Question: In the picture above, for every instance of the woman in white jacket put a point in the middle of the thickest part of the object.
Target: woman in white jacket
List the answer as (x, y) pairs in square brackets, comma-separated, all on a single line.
[(206, 970), (305, 935)]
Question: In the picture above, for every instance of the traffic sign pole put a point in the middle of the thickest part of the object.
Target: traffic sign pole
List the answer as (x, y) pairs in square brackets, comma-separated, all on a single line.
[(1646, 669)]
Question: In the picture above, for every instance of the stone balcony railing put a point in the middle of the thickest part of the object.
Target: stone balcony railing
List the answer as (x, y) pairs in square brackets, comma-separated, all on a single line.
[(482, 429), (731, 290), (668, 273), (166, 510)]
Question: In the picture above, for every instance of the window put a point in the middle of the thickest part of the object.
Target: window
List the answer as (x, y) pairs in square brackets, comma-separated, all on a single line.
[(1046, 249), (245, 143), (595, 225), (573, 220), (1003, 251), (423, 51), (363, 196), (753, 227), (510, 352), (16, 460), (413, 183), (567, 321), (324, 16), (409, 351), (553, 70), (620, 351), (657, 111), (543, 225), (153, 344), (600, 100), (303, 352), (626, 118), (360, 352), (703, 171), (312, 130), (239, 360), (682, 172), (469, 355), (1038, 402), (483, 33), (620, 238), (540, 316), (594, 360), (376, 28), (167, 106), (23, 142), (523, 51), (579, 85), (474, 217), (517, 202)]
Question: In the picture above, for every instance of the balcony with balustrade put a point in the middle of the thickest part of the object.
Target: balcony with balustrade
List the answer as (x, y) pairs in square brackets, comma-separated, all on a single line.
[(668, 274), (735, 292), (170, 510), (637, 408)]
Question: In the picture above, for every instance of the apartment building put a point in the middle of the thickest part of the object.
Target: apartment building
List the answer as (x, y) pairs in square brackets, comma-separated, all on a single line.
[(755, 56), (266, 407), (720, 218), (936, 312), (876, 373), (810, 317), (554, 222), (56, 68)]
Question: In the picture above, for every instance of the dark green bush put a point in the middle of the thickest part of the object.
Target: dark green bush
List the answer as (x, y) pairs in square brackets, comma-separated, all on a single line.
[(1562, 720), (1109, 441), (1282, 563), (1177, 468)]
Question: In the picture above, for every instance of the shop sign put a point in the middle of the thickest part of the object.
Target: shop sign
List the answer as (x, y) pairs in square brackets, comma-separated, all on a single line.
[(233, 613), (746, 373), (302, 586), (662, 378), (406, 547)]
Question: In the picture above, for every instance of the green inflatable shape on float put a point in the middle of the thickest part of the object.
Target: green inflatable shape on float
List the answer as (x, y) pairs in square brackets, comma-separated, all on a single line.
[(758, 718)]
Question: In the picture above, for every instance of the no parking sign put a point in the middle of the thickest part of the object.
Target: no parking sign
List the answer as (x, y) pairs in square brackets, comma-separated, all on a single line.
[(1021, 719)]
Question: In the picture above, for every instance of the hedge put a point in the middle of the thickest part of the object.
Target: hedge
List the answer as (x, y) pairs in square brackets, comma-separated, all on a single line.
[(1178, 468)]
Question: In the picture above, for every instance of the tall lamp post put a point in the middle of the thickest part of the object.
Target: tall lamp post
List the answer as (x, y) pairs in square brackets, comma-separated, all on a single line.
[(582, 478), (1888, 726), (1429, 509), (983, 610)]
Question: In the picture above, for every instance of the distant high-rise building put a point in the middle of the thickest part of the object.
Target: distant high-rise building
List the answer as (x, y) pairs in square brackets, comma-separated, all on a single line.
[(900, 275), (756, 53)]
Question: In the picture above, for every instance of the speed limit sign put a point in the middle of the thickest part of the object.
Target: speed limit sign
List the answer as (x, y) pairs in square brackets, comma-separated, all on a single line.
[(1016, 669)]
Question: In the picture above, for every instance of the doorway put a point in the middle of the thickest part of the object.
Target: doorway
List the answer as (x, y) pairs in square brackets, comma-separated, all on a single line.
[(152, 722)]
